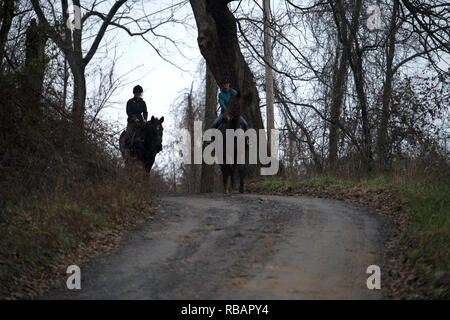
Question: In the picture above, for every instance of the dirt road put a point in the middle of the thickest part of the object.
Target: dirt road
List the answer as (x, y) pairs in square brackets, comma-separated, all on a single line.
[(241, 247)]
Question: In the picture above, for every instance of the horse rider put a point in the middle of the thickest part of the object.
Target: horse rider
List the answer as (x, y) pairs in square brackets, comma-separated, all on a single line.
[(224, 96), (136, 111)]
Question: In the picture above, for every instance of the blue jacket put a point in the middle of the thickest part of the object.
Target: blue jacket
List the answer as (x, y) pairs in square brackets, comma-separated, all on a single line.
[(224, 96)]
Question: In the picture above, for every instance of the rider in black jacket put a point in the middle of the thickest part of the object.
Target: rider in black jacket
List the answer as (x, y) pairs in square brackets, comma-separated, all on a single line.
[(136, 107), (136, 111)]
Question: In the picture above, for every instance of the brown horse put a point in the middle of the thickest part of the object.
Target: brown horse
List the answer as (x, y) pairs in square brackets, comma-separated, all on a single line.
[(231, 120)]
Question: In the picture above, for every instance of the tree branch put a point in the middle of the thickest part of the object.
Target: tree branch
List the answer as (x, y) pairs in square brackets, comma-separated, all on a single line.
[(102, 30)]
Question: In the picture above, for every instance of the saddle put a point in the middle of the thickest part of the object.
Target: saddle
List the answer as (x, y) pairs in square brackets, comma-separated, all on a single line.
[(130, 139)]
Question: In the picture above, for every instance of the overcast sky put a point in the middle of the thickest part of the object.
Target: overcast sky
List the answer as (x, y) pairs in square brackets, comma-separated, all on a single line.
[(162, 82)]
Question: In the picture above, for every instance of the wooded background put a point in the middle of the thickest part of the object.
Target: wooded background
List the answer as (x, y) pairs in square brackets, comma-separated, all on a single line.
[(355, 87), (358, 89)]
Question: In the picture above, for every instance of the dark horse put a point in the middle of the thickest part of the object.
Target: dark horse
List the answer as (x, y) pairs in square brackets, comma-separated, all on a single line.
[(231, 120), (146, 144)]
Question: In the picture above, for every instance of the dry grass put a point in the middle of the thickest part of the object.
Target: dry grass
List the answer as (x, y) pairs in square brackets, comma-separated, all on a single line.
[(42, 235), (62, 199)]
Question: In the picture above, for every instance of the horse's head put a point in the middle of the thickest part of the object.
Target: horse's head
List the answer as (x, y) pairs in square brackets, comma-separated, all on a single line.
[(154, 133), (232, 114), (148, 141), (234, 105)]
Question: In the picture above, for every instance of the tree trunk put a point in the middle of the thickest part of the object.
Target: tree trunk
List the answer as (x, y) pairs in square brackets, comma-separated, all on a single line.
[(349, 39), (207, 173), (35, 62), (191, 169), (79, 96), (7, 14), (382, 136), (218, 43), (65, 84), (337, 98), (268, 57), (358, 74)]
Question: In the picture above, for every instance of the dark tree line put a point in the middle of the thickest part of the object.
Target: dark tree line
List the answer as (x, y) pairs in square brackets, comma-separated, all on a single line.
[(343, 90), (337, 80)]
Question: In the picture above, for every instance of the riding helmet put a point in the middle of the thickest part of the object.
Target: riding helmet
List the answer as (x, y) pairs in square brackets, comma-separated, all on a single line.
[(224, 80), (138, 89)]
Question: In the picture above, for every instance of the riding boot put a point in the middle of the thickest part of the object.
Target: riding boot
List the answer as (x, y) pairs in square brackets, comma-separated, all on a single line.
[(129, 134), (244, 124)]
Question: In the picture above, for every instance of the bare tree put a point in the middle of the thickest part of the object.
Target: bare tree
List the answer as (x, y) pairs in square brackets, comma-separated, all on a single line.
[(70, 43), (269, 74), (382, 136), (207, 172), (35, 62), (7, 14), (340, 70), (218, 43)]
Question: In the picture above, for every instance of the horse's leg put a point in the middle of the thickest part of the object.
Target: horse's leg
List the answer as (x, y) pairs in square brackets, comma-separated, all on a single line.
[(241, 169), (232, 169), (224, 170), (225, 183)]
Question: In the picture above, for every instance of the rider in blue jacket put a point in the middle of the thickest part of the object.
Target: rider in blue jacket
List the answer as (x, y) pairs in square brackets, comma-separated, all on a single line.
[(224, 96)]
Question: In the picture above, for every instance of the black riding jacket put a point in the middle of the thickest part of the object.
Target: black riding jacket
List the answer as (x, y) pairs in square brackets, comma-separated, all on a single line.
[(136, 107)]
